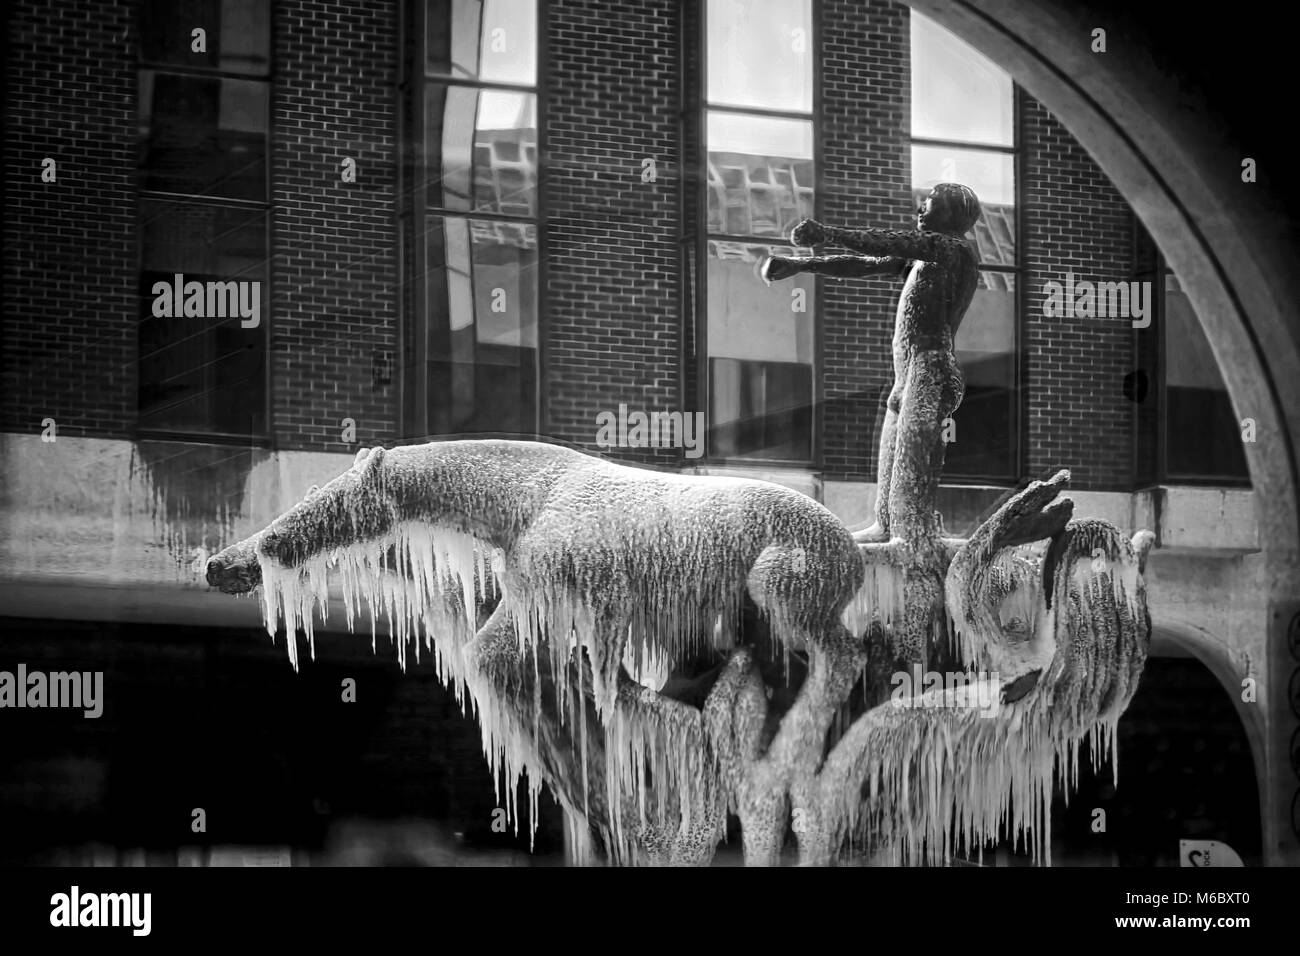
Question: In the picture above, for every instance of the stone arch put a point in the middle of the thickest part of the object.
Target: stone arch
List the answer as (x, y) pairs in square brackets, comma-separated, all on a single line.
[(1219, 235), (1214, 654)]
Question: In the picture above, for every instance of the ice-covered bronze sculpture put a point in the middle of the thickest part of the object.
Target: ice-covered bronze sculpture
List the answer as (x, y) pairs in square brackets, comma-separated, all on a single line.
[(591, 574), (574, 600)]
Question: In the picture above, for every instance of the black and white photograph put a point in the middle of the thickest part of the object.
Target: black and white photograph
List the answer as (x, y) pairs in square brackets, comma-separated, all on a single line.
[(576, 434)]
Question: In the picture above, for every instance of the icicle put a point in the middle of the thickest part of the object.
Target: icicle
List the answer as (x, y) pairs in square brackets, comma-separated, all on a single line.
[(879, 599)]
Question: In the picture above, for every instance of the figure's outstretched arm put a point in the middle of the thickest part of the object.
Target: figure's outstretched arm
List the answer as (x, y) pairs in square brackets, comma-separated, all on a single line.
[(896, 243), (853, 267), (776, 268)]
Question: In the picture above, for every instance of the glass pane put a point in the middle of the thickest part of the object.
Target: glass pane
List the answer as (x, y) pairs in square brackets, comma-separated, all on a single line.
[(760, 356), (481, 327), (203, 135), (236, 34), (992, 176), (759, 54), (203, 370), (761, 174), (494, 40), (482, 150), (1202, 433), (957, 92), (985, 437)]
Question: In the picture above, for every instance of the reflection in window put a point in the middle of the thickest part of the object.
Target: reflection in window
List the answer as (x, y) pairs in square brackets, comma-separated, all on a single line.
[(481, 334), (761, 179), (963, 131), (470, 312), (482, 149), (760, 174), (201, 374), (203, 135), (758, 54), (1202, 432), (237, 34), (494, 41), (760, 357), (957, 92), (203, 124), (986, 349)]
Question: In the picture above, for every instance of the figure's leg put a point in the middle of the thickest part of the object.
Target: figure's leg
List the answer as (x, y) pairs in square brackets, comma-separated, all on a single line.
[(879, 531), (931, 393)]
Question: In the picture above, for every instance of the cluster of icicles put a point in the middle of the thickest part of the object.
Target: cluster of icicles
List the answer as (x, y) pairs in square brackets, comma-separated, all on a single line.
[(945, 776), (930, 783), (923, 782), (433, 579)]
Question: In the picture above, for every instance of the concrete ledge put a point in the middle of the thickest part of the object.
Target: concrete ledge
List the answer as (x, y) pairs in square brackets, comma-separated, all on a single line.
[(797, 479), (1214, 520)]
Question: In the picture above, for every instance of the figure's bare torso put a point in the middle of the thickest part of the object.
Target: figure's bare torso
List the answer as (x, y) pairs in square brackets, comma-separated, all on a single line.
[(933, 301)]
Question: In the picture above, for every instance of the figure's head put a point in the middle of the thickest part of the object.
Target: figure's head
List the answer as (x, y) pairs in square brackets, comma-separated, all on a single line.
[(950, 207)]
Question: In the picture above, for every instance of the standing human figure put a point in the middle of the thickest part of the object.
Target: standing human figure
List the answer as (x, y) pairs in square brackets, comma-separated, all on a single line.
[(942, 273)]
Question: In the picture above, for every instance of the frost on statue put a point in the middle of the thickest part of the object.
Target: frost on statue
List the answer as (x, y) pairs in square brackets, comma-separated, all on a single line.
[(573, 601), (550, 586)]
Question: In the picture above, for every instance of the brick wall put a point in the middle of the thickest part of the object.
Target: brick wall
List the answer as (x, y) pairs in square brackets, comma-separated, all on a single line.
[(70, 246), (1075, 221), (613, 271), (866, 176), (613, 322), (334, 278)]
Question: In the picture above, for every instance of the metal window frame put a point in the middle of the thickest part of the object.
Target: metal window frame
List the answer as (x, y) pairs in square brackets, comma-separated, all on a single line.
[(413, 82), (267, 438), (814, 117)]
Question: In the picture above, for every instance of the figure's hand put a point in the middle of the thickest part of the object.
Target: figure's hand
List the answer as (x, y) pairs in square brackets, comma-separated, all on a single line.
[(808, 232), (775, 268)]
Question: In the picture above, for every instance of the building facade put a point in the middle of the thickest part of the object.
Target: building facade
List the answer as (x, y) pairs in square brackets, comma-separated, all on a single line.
[(244, 240)]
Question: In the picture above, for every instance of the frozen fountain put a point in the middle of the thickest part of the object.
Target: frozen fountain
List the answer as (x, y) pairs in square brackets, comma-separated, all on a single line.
[(588, 612)]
